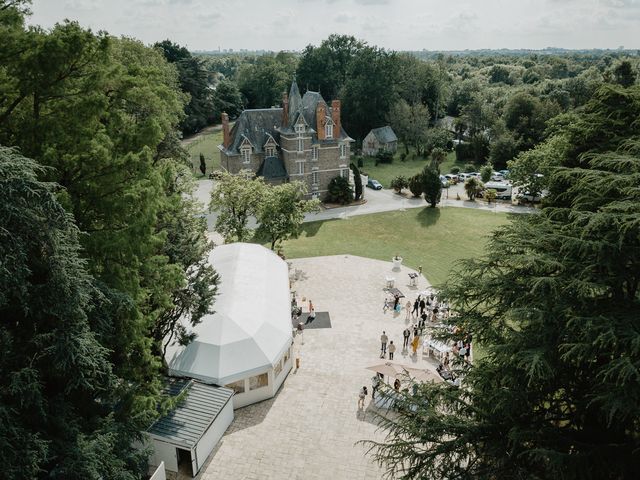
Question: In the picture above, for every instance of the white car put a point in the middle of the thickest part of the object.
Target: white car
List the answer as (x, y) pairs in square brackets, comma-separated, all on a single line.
[(453, 178)]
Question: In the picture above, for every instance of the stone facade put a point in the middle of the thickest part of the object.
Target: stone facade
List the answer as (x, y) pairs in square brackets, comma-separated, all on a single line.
[(382, 138), (302, 141)]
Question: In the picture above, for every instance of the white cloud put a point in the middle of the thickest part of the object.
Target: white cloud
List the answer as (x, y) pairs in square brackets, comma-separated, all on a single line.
[(400, 25)]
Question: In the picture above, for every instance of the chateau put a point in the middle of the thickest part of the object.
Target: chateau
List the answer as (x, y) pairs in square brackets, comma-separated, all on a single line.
[(304, 141)]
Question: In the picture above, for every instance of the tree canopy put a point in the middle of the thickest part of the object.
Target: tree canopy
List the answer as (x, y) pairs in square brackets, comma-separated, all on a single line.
[(556, 307)]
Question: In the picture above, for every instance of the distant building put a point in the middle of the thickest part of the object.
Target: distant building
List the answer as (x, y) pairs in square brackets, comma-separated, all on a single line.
[(303, 140), (383, 138)]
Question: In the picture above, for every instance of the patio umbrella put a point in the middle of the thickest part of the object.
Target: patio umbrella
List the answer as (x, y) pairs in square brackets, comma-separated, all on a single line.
[(422, 375)]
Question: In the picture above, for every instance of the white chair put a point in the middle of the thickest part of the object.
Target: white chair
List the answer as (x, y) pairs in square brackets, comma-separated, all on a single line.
[(391, 281)]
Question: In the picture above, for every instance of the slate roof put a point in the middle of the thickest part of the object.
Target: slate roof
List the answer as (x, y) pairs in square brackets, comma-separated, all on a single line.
[(385, 134), (256, 125), (185, 425), (272, 168)]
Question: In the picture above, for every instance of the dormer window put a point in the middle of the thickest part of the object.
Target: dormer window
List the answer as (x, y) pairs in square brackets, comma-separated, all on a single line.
[(270, 151), (245, 151), (299, 127), (328, 130)]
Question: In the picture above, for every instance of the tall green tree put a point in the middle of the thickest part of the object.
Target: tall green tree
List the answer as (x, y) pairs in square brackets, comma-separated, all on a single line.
[(282, 210), (57, 387), (194, 81), (264, 82), (236, 199), (410, 122), (556, 306), (325, 68), (431, 185), (369, 91)]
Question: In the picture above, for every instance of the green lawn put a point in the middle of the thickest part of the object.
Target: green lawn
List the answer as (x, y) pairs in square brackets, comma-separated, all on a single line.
[(433, 238), (385, 172), (208, 145)]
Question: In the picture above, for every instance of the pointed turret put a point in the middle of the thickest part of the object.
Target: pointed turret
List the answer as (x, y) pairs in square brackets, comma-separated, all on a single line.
[(295, 101)]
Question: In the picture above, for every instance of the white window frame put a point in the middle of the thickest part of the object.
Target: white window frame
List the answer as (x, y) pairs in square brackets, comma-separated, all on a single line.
[(343, 150), (315, 152), (300, 168), (246, 154), (315, 179), (328, 130), (301, 144), (344, 173), (270, 151), (299, 127)]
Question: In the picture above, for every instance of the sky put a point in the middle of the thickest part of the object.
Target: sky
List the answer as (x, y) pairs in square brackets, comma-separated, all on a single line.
[(392, 24)]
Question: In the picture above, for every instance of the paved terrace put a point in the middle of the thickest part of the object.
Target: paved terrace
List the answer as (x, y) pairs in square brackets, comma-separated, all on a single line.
[(309, 430)]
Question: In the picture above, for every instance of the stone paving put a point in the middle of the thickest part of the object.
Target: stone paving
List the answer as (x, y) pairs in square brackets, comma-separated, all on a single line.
[(310, 428)]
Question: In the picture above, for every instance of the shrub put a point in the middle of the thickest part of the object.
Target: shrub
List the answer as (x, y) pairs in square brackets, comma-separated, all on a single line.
[(360, 162), (472, 187), (485, 172), (339, 191), (403, 156), (431, 185), (468, 167), (415, 185), (490, 194), (455, 170), (203, 165), (384, 157), (357, 180), (399, 183)]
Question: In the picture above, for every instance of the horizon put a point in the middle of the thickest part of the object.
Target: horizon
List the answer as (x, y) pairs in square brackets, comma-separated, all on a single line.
[(291, 25)]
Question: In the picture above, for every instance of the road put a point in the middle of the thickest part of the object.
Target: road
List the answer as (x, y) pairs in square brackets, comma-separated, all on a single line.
[(376, 201)]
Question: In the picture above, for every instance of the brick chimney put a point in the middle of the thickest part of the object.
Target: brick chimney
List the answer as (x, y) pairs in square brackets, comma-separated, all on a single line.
[(335, 116), (226, 137), (285, 110), (321, 113)]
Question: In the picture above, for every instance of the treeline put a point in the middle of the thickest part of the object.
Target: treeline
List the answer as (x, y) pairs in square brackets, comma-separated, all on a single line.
[(102, 251), (501, 102)]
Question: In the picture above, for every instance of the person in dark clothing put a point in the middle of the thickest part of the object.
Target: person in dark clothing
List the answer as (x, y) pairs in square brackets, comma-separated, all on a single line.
[(422, 305), (416, 305), (405, 335), (396, 299)]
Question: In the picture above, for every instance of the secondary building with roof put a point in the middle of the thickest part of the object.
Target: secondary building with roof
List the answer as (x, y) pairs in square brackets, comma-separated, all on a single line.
[(246, 343), (185, 437), (303, 140), (382, 138)]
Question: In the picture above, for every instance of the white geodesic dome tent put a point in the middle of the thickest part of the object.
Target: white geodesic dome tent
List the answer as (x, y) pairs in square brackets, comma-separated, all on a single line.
[(246, 343)]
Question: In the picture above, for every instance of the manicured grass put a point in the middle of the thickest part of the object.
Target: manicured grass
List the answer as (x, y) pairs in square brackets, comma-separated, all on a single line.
[(385, 172), (208, 145), (434, 238)]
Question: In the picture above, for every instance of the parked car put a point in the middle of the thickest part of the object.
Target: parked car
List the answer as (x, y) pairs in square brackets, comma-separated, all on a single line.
[(505, 173), (497, 177), (503, 190), (526, 197), (453, 178), (444, 181), (375, 184), (463, 177)]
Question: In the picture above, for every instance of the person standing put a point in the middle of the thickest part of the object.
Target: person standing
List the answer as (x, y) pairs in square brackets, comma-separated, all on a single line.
[(392, 350), (383, 341), (416, 306), (408, 309), (375, 384), (312, 316), (422, 305), (405, 335), (361, 396), (414, 344)]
